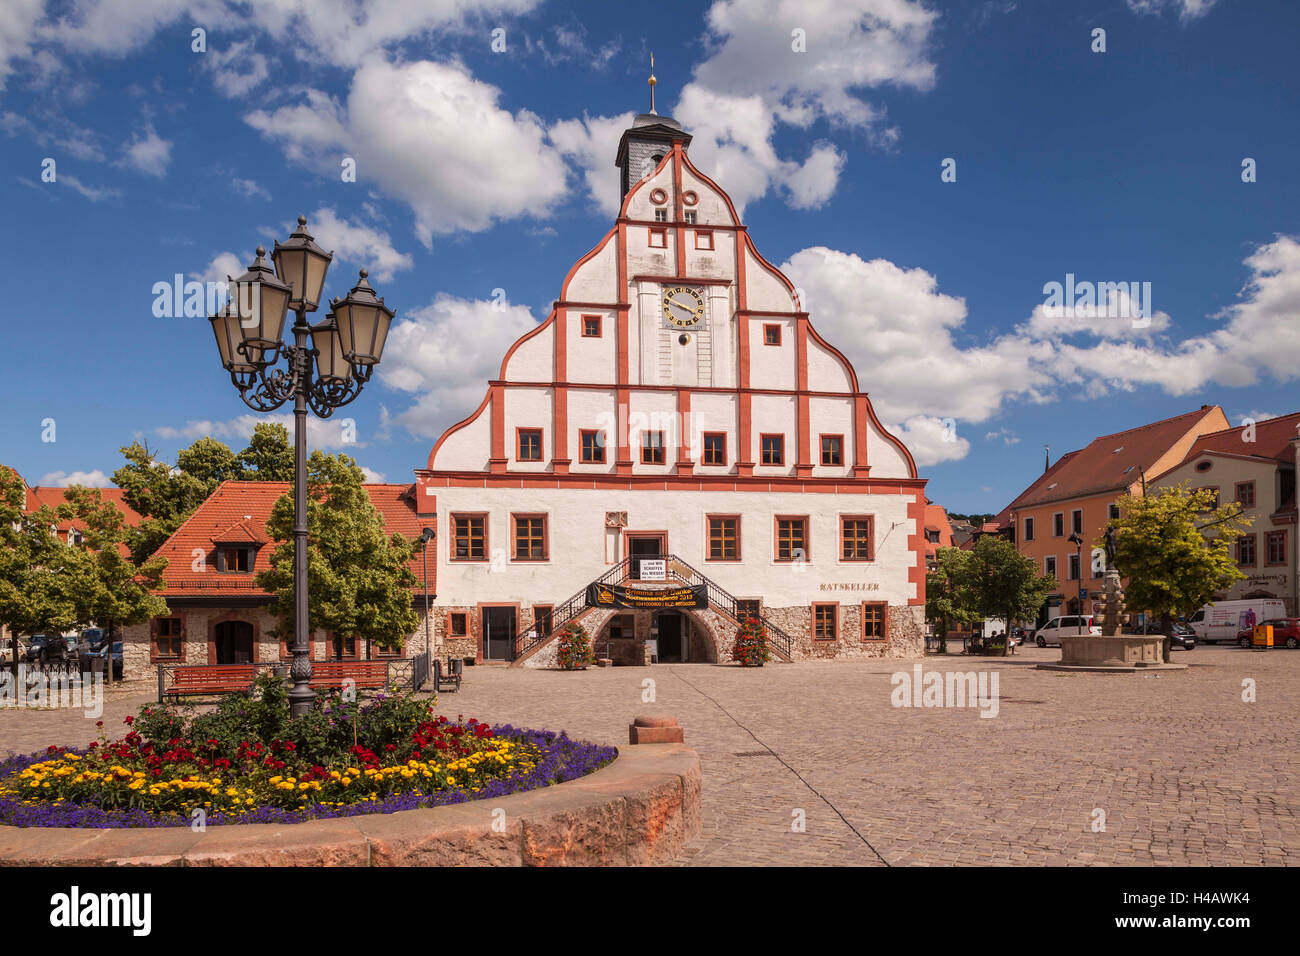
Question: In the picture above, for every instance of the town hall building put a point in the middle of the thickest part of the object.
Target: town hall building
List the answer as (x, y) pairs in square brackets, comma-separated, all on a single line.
[(675, 448)]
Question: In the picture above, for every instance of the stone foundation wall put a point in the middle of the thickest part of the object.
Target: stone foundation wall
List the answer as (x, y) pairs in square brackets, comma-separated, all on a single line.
[(905, 630)]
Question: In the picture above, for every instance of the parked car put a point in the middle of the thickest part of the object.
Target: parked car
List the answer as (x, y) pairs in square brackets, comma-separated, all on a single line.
[(1184, 638), (115, 655), (1224, 620), (1286, 633), (1066, 624), (46, 647)]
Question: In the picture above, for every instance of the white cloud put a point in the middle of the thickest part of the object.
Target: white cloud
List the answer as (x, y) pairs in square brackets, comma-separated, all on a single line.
[(444, 354), (931, 440), (148, 153), (250, 188), (592, 142), (432, 135), (224, 265), (93, 193), (237, 70), (352, 242), (324, 433), (1187, 9), (1007, 436), (17, 28), (65, 479), (372, 476)]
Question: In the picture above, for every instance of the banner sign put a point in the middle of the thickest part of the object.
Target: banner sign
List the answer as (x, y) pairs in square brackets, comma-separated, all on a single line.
[(609, 595), (653, 569)]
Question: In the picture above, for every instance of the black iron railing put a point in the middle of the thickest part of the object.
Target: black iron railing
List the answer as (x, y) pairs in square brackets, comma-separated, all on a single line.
[(563, 613)]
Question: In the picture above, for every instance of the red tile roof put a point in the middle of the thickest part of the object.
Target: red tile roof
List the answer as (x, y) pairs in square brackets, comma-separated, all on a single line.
[(54, 497), (936, 519), (247, 505), (1272, 440), (1111, 462)]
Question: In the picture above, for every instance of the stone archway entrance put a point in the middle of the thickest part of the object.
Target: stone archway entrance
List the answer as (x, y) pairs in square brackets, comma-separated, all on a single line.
[(683, 638)]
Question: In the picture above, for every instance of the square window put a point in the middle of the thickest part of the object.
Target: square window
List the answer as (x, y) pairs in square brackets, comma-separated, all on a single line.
[(1246, 494), (530, 444), (591, 326), (873, 621), (234, 559), (529, 537), (658, 238), (168, 637), (857, 538), (715, 448), (703, 239), (469, 537), (749, 609), (690, 216), (792, 538), (458, 626), (592, 447), (622, 627), (832, 449), (825, 622), (724, 538), (773, 449), (1114, 512), (661, 215), (652, 448), (771, 335)]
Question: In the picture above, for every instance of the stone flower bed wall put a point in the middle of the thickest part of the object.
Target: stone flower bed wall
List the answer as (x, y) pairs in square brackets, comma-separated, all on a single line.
[(639, 810)]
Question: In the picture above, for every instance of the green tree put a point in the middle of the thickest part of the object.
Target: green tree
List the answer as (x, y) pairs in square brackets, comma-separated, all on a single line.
[(116, 591), (1004, 582), (269, 456), (948, 598), (358, 581), (40, 575), (1174, 546)]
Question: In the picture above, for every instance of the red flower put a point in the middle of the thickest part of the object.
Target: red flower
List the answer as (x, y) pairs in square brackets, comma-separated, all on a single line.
[(290, 745), (128, 721)]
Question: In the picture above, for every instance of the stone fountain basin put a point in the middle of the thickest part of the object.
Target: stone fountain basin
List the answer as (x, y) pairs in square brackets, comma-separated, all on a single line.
[(1121, 652)]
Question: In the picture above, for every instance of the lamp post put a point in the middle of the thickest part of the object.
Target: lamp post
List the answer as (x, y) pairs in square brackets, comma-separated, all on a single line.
[(1077, 541), (426, 536), (346, 346)]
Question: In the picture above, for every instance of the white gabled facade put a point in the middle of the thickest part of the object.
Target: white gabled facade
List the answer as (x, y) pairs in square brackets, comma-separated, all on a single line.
[(674, 327)]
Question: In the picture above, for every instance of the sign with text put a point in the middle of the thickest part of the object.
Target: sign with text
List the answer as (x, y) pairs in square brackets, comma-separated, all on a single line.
[(653, 569), (609, 595)]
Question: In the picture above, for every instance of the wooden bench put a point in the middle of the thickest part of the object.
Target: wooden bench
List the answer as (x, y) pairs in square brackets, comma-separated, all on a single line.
[(365, 675), (205, 680)]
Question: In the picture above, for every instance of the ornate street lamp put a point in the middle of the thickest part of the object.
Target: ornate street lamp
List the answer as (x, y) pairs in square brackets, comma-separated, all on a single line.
[(346, 348)]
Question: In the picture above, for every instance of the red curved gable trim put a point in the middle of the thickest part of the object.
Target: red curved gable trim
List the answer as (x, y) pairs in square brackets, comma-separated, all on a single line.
[(735, 217), (749, 244), (853, 375), (458, 426), (564, 288), (622, 210), (550, 320), (911, 463)]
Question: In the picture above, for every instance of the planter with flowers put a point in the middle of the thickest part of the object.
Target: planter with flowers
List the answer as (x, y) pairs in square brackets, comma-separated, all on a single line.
[(750, 648), (574, 650)]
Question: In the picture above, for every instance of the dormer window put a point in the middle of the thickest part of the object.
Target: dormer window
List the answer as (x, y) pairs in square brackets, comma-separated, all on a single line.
[(235, 559)]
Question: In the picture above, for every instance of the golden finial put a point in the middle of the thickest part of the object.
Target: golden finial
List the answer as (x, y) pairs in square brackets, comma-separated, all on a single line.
[(652, 81)]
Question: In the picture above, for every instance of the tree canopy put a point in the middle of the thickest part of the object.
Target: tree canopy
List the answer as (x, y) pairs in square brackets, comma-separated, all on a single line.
[(358, 579)]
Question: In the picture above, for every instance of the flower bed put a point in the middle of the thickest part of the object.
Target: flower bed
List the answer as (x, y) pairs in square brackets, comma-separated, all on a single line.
[(248, 762)]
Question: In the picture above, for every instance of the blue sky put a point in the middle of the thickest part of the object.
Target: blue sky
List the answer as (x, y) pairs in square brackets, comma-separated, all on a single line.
[(480, 171)]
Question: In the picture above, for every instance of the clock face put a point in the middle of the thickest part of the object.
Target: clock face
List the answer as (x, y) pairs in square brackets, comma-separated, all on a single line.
[(683, 307)]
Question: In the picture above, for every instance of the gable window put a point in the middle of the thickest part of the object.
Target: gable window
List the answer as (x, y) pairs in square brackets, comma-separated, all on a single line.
[(168, 638), (724, 538), (932, 535), (1276, 547), (857, 538), (873, 621), (1058, 525), (771, 335), (529, 537), (825, 621), (703, 238), (690, 216), (458, 625), (715, 448), (652, 448), (792, 538), (661, 215), (1246, 494), (658, 238), (468, 537), (530, 444), (832, 449), (1029, 529), (591, 326), (1076, 520), (232, 559), (1246, 551), (773, 447), (592, 445)]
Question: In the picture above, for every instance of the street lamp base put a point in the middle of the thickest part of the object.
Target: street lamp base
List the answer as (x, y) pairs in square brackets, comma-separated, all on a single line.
[(301, 697)]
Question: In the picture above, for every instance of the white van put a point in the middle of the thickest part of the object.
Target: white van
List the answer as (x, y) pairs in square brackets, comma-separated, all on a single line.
[(1067, 624), (1221, 621)]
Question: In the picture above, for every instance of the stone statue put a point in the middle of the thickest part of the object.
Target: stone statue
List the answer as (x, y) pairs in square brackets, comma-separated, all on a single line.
[(1110, 546)]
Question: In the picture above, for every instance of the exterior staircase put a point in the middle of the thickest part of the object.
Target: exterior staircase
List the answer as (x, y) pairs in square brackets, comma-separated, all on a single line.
[(780, 642)]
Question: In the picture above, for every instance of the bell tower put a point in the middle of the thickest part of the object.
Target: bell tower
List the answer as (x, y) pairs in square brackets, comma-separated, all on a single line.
[(646, 142)]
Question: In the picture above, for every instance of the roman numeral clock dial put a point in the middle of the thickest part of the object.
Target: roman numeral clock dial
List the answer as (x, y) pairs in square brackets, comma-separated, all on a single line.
[(683, 307)]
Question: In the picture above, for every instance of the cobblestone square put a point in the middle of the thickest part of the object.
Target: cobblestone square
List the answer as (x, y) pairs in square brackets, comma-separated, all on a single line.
[(1184, 770)]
